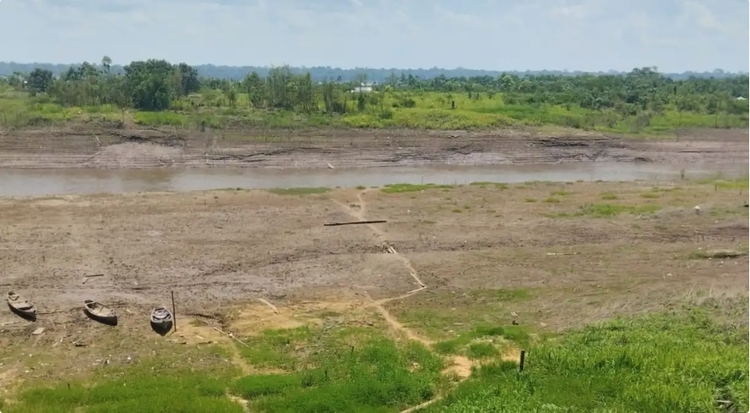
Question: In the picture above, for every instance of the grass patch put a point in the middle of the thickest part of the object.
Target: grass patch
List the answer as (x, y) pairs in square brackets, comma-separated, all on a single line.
[(720, 183), (741, 183), (716, 254), (379, 376), (651, 195), (401, 188), (477, 342), (495, 185), (560, 193), (609, 196), (478, 351), (298, 191), (469, 311), (611, 210), (179, 391), (276, 348), (530, 200), (250, 387), (668, 362), (552, 200)]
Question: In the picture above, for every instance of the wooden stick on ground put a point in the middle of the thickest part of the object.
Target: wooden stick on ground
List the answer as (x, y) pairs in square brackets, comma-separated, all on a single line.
[(273, 307), (336, 224), (86, 277), (231, 336)]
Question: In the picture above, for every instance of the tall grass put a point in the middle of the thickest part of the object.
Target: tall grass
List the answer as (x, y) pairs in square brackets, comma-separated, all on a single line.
[(663, 363)]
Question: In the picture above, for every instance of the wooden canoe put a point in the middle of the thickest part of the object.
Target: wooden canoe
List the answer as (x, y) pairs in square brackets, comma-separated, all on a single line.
[(21, 306), (100, 312), (161, 316)]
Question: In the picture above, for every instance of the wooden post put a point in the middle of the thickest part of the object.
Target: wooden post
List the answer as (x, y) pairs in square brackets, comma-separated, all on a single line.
[(522, 361), (174, 313)]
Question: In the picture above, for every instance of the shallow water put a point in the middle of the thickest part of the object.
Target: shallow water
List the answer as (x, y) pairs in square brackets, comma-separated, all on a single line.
[(35, 182)]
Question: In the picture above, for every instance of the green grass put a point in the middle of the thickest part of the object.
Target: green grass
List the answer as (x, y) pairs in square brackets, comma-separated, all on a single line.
[(611, 210), (721, 183), (717, 254), (609, 196), (479, 351), (496, 185), (485, 340), (250, 387), (660, 363), (430, 110), (402, 188), (473, 314), (298, 191), (375, 376), (651, 195), (176, 391), (276, 348)]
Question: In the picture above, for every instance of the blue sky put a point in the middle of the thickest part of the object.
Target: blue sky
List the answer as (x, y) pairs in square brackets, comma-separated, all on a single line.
[(674, 35)]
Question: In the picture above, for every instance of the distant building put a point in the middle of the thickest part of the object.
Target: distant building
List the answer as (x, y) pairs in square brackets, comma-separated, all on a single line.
[(365, 87), (361, 89)]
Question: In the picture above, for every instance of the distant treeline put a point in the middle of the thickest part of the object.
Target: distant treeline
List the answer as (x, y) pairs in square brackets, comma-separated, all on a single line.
[(321, 73), (639, 97)]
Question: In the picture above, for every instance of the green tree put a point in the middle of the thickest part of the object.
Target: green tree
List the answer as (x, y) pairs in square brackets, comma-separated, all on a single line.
[(255, 88), (189, 81), (107, 64), (150, 84), (39, 81)]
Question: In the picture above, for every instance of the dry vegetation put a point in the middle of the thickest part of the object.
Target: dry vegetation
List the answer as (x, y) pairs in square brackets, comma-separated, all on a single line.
[(505, 267)]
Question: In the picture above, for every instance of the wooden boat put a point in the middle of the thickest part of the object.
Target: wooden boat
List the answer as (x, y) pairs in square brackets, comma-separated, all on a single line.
[(100, 312), (21, 306), (161, 318)]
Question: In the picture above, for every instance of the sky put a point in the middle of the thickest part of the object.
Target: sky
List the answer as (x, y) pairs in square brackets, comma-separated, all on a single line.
[(589, 35)]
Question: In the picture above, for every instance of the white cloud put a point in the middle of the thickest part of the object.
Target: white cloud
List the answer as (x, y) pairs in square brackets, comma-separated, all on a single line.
[(674, 35)]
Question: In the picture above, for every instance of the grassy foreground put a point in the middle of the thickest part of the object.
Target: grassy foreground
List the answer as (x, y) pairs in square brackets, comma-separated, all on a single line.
[(685, 360), (662, 363), (427, 110)]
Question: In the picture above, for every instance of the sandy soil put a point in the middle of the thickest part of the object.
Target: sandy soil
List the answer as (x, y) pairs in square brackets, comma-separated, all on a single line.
[(447, 259), (95, 146)]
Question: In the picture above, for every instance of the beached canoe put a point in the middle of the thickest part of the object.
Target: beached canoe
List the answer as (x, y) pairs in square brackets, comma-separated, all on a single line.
[(100, 312), (161, 316), (21, 306)]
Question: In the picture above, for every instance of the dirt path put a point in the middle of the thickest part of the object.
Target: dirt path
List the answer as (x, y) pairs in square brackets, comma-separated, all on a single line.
[(360, 214), (461, 366)]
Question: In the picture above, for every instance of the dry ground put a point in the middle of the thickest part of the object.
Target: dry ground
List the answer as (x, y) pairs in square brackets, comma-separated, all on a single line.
[(556, 255)]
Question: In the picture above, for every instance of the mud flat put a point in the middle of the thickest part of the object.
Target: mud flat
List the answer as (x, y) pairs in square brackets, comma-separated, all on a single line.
[(87, 146), (579, 242)]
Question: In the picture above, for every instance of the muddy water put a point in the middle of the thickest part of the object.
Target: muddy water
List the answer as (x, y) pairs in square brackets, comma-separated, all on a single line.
[(25, 182)]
